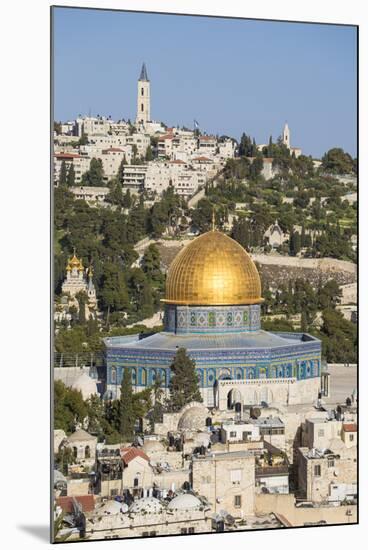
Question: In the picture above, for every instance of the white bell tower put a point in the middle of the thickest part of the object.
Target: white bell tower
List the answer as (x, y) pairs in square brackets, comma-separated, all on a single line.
[(143, 97), (286, 136)]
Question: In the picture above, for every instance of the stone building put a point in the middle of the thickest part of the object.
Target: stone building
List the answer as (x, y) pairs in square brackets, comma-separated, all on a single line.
[(83, 446), (274, 235), (137, 472), (328, 475), (148, 517), (80, 279), (285, 138), (212, 308), (80, 164), (226, 480)]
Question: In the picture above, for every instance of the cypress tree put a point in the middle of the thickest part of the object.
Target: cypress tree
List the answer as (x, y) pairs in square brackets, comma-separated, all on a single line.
[(184, 382), (126, 407), (63, 174), (71, 176)]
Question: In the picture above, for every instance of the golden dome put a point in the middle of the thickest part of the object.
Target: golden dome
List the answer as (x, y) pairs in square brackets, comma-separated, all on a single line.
[(75, 262), (213, 270)]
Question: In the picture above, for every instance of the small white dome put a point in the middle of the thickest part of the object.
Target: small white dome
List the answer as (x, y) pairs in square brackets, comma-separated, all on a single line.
[(112, 507), (193, 419), (185, 501), (147, 504), (86, 385)]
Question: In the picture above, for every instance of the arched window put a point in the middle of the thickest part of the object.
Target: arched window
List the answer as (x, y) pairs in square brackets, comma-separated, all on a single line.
[(142, 91), (144, 377), (134, 376), (113, 375), (75, 452), (87, 452), (142, 107)]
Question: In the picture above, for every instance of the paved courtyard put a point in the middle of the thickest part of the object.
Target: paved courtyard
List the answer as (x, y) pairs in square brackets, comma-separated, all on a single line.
[(343, 380)]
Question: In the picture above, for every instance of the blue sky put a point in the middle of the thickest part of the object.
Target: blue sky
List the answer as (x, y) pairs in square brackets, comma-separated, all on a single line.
[(230, 75)]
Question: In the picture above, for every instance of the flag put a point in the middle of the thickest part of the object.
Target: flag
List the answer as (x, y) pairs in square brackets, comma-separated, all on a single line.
[(196, 124)]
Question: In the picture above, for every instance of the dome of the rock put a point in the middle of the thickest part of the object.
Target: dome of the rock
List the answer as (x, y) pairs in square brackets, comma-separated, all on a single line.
[(213, 270)]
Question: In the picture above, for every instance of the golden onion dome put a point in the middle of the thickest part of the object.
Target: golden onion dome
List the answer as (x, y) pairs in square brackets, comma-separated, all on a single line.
[(213, 270)]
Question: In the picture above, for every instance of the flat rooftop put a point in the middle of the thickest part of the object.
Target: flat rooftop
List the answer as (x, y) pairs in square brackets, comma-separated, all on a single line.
[(343, 381)]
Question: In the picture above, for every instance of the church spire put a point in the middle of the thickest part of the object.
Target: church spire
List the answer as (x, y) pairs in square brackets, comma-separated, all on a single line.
[(143, 76)]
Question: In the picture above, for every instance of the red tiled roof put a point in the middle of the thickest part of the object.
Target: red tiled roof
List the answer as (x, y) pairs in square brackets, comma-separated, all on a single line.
[(113, 150), (87, 502), (206, 138), (203, 158), (177, 161), (130, 453), (349, 427), (67, 155), (166, 136)]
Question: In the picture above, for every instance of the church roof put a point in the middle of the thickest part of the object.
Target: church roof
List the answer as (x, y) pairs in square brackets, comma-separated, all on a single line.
[(74, 262), (143, 75), (130, 453)]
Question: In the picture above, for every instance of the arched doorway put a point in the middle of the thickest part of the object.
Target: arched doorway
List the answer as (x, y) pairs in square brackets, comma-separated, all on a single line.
[(234, 396)]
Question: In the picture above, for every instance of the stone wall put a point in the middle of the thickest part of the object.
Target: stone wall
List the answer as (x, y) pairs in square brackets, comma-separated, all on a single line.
[(216, 479), (284, 505)]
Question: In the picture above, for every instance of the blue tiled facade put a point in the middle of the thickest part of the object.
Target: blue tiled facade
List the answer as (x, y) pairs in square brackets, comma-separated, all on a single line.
[(212, 319), (237, 354)]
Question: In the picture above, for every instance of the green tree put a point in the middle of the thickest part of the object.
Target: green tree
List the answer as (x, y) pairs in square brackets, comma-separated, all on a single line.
[(202, 215), (71, 175), (135, 153), (329, 296), (158, 407), (295, 243), (184, 382), (127, 419), (63, 174), (339, 337), (115, 195), (82, 301), (57, 127), (114, 294), (127, 200), (63, 458), (94, 176), (151, 264), (336, 161), (69, 407), (256, 167), (149, 154), (120, 174), (95, 414)]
